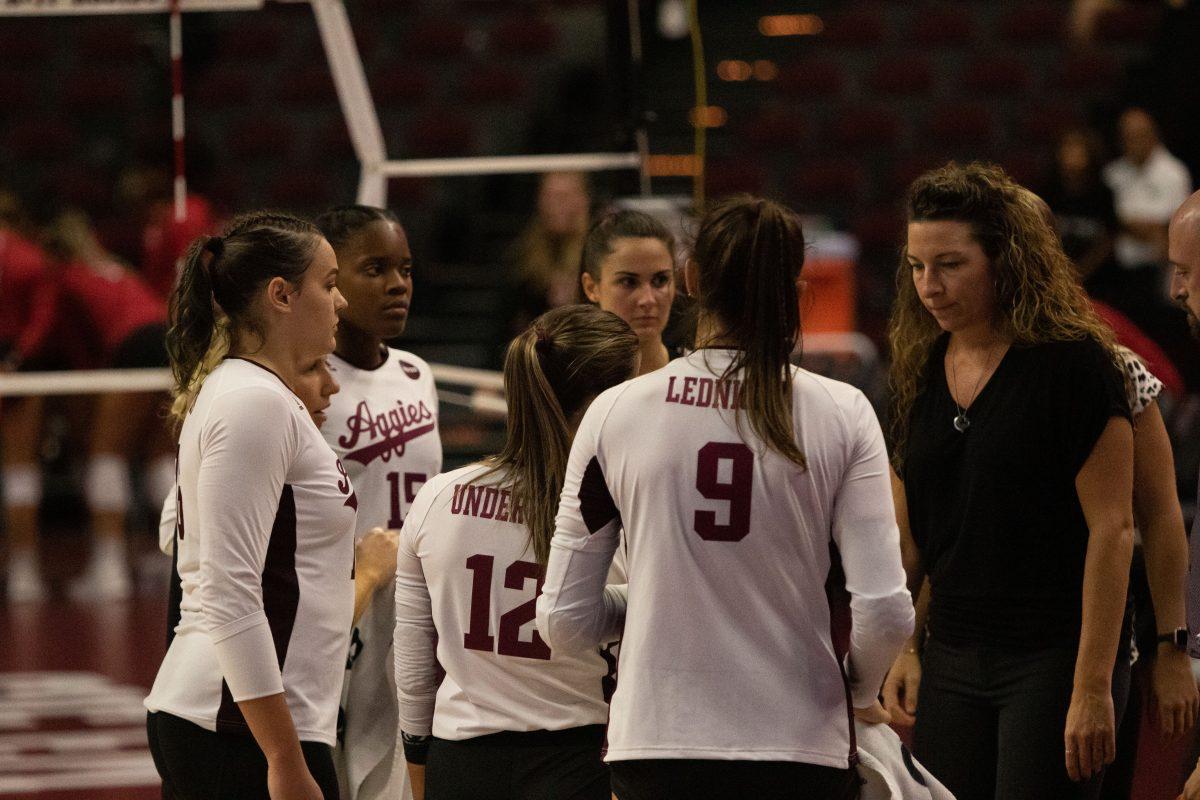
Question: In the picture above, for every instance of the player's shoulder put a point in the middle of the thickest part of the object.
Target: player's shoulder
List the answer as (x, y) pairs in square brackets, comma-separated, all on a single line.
[(242, 385), (435, 487), (831, 401)]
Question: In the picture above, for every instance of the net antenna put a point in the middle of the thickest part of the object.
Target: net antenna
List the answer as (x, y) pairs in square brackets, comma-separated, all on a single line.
[(354, 96)]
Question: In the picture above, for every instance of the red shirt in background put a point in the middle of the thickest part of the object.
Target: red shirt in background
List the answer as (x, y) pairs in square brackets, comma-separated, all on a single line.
[(90, 309), (22, 270), (165, 241), (1133, 337)]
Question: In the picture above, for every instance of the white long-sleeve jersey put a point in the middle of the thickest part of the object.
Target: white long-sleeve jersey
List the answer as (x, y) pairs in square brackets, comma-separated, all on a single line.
[(383, 424), (727, 650), (466, 587), (265, 549)]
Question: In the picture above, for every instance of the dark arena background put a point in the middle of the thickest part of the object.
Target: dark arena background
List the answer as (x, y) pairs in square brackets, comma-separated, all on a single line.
[(482, 124)]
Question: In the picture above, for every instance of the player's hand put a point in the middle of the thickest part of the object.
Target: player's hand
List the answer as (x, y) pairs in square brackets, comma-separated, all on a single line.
[(289, 779), (1090, 738), (375, 556), (1191, 789), (874, 714), (1175, 692), (901, 687)]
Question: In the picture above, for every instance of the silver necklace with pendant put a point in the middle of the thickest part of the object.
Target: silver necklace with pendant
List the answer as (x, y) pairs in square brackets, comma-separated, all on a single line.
[(961, 422)]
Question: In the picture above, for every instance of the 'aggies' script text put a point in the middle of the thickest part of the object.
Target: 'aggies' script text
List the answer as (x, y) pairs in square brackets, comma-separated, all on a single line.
[(485, 502), (705, 392), (387, 433)]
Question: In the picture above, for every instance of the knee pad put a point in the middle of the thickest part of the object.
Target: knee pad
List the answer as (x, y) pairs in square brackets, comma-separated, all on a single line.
[(23, 485), (106, 485), (160, 478)]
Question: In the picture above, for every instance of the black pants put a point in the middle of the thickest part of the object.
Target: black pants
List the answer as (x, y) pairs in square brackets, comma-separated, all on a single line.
[(538, 765), (697, 779), (197, 764), (990, 721)]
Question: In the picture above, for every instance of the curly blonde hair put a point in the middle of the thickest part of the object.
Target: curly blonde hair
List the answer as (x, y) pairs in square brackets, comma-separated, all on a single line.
[(1038, 295)]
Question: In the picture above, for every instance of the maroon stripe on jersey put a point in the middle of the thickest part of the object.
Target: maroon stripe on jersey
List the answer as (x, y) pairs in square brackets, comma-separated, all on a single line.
[(839, 633), (281, 598), (596, 504)]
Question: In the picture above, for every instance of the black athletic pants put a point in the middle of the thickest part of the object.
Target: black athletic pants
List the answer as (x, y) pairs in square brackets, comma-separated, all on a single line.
[(197, 764), (537, 765), (697, 779), (990, 721)]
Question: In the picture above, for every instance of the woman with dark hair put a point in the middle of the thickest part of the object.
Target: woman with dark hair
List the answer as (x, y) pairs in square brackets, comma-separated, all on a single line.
[(735, 476), (246, 699), (1013, 453), (383, 424), (510, 719), (1082, 204), (628, 268)]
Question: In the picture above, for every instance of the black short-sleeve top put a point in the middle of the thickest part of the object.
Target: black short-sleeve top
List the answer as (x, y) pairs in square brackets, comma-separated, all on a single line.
[(994, 510)]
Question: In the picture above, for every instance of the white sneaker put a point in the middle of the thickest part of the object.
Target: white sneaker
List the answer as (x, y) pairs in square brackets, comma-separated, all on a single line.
[(104, 579), (24, 583)]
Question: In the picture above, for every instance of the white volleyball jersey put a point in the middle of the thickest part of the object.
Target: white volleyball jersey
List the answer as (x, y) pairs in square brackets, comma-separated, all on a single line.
[(382, 423), (727, 650), (467, 584), (265, 549)]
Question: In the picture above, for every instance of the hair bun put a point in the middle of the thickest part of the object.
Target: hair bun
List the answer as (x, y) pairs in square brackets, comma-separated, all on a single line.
[(215, 245), (545, 342)]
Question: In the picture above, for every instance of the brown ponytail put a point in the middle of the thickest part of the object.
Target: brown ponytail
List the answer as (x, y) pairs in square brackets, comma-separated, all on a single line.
[(551, 372), (749, 252)]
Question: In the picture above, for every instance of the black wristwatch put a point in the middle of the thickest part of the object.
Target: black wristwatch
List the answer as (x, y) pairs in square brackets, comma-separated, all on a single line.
[(1177, 638)]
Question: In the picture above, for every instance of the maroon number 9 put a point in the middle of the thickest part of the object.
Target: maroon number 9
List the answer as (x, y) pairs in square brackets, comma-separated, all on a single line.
[(735, 491)]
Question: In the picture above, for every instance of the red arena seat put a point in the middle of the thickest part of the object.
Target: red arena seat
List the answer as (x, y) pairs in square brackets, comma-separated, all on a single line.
[(859, 26), (1044, 123), (1087, 70), (908, 74), (828, 181), (942, 25), (493, 84), (223, 88), (524, 35), (961, 124), (441, 133), (255, 137), (1034, 23), (401, 83), (774, 128), (996, 74), (865, 128), (811, 77), (733, 175), (436, 38)]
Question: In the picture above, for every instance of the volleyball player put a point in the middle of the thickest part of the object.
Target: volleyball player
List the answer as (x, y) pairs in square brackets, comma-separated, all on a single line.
[(734, 475), (383, 426), (105, 315), (22, 270), (245, 702), (511, 719), (628, 267)]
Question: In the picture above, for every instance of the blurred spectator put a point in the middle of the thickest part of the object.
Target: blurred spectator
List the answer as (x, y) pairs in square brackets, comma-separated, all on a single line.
[(22, 269), (1148, 184), (1082, 204), (147, 192), (545, 259)]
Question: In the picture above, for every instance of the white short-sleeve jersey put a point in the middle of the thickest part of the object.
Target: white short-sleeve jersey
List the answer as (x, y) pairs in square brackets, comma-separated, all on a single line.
[(383, 424), (727, 649), (265, 548), (467, 583)]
